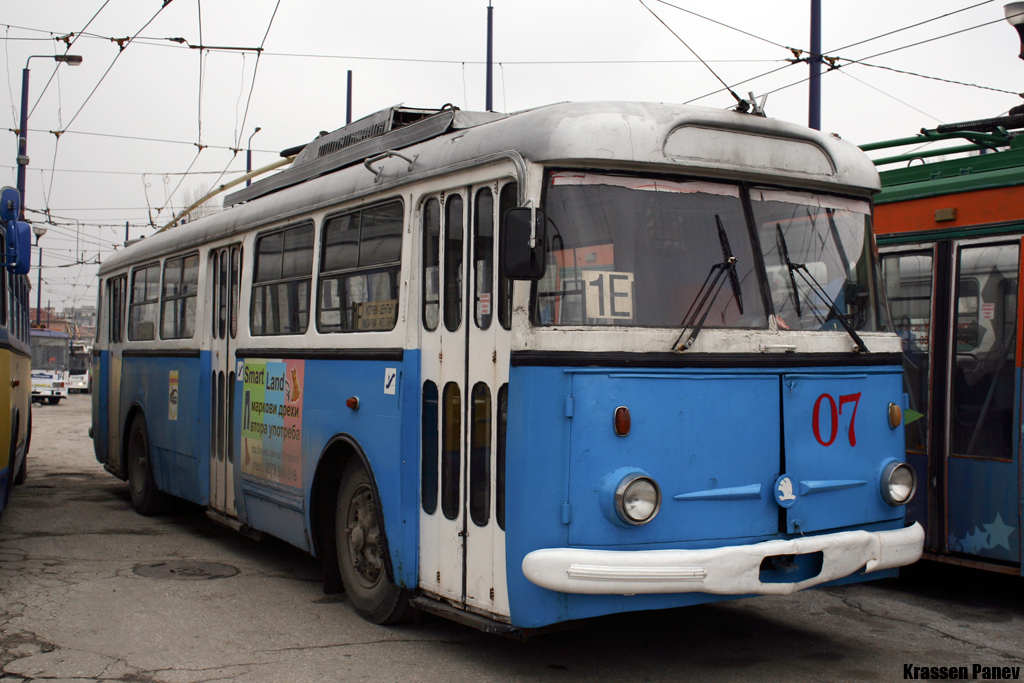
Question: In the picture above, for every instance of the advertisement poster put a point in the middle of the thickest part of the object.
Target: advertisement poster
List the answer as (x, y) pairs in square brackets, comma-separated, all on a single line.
[(272, 397)]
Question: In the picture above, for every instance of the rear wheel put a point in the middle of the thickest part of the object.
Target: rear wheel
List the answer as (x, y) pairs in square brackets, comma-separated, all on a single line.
[(146, 498), (362, 549), (53, 400)]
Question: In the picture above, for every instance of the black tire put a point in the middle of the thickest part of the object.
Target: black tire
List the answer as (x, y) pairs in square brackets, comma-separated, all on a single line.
[(22, 474), (147, 499), (53, 400), (362, 550), (9, 485)]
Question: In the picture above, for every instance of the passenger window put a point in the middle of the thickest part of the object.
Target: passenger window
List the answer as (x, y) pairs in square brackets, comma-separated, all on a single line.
[(908, 283), (281, 282), (483, 258), (431, 263), (428, 449), (509, 199), (480, 456), (236, 282), (983, 400), (499, 460), (116, 303), (453, 238), (451, 449), (145, 302), (178, 308), (359, 270), (222, 296)]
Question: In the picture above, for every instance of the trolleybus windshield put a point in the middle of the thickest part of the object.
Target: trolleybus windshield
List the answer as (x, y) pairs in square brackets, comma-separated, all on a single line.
[(831, 238), (636, 251), (50, 353)]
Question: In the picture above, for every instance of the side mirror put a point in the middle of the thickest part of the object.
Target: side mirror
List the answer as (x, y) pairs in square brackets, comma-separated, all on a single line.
[(10, 204), (524, 243), (19, 247), (17, 234)]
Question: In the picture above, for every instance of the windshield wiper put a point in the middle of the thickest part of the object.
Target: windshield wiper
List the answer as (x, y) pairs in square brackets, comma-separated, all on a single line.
[(720, 270), (734, 279), (803, 272), (781, 239)]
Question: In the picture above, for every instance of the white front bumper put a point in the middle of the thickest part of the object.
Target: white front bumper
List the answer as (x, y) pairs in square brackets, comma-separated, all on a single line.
[(733, 570)]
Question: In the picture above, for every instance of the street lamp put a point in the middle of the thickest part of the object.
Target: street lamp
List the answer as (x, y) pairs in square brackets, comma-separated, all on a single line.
[(39, 231), (248, 157), (70, 60)]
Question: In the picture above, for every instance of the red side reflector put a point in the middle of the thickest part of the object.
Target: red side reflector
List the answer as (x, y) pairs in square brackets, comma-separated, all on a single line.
[(352, 402), (622, 421)]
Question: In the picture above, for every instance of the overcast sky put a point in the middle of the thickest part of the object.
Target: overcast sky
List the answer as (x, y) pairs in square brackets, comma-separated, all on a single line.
[(134, 119)]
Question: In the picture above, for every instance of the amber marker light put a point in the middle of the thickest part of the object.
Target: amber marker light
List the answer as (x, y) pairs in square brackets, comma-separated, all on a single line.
[(622, 421), (895, 415)]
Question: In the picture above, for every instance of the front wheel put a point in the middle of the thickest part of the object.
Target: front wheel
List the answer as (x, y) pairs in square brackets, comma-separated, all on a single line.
[(362, 550), (53, 400), (147, 499)]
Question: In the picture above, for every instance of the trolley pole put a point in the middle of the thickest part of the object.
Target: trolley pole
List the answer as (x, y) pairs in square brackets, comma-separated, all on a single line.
[(814, 61), (490, 57)]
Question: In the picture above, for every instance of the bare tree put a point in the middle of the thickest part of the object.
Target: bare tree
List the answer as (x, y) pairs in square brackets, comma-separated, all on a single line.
[(192, 196)]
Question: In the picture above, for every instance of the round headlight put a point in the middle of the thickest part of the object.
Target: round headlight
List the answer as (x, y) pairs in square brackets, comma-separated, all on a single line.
[(899, 482), (637, 499)]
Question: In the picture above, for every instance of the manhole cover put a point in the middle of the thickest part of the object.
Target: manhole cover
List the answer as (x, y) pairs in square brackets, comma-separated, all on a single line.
[(185, 571)]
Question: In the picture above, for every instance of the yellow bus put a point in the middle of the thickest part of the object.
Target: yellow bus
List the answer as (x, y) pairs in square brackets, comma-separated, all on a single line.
[(15, 352)]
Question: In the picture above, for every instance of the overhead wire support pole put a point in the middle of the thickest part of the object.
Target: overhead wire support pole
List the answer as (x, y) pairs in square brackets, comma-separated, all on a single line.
[(814, 61), (490, 57), (348, 99)]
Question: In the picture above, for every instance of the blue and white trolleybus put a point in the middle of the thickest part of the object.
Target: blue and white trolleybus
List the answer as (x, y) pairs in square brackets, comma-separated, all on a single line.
[(525, 369)]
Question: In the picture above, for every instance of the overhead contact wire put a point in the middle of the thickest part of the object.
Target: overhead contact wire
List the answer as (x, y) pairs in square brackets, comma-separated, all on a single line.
[(660, 20)]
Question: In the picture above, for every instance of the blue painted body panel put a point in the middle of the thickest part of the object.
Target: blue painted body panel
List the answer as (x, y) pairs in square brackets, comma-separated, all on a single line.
[(862, 417), (988, 497), (179, 448), (710, 436), (670, 440)]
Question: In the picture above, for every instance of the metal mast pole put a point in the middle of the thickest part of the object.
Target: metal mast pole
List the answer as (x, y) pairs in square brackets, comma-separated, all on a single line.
[(348, 100), (490, 57), (814, 61), (23, 139)]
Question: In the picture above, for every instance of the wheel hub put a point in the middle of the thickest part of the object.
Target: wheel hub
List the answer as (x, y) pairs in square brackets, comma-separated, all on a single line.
[(363, 534)]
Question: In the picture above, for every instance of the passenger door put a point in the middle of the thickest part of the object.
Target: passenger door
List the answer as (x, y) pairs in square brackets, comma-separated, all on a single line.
[(116, 295), (956, 306), (983, 412), (225, 276), (464, 390)]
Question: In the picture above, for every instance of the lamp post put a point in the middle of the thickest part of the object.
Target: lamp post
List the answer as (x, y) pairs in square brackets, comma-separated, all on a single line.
[(248, 156), (39, 231), (1014, 12), (70, 60)]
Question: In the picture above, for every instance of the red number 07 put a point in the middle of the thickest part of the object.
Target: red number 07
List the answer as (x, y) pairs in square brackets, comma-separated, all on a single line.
[(835, 413)]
